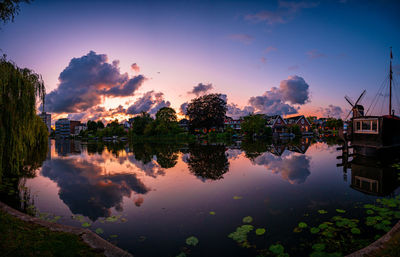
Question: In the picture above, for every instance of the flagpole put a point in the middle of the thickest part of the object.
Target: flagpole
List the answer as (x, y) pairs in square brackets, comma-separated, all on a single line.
[(390, 85)]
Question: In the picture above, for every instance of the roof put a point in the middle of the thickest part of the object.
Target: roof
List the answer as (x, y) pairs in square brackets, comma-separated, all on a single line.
[(271, 119)]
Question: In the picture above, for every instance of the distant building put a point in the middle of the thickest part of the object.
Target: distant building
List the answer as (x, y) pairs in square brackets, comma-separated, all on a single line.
[(63, 128), (230, 122), (66, 127), (79, 128), (46, 117), (301, 121), (184, 124)]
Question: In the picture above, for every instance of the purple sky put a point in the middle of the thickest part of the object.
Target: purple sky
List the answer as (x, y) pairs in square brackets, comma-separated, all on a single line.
[(279, 57)]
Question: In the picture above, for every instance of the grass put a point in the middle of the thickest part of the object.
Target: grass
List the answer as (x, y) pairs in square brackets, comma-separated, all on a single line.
[(20, 238)]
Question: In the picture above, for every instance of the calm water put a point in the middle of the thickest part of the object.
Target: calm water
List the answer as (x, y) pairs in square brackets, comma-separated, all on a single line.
[(156, 196)]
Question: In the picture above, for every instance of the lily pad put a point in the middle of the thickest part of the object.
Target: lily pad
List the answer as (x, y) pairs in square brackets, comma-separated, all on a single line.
[(355, 231), (192, 240), (237, 197), (318, 247), (370, 212), (340, 211), (212, 212), (113, 236), (314, 230), (302, 225), (99, 231), (260, 231), (86, 224), (247, 219), (322, 212), (277, 249), (240, 235)]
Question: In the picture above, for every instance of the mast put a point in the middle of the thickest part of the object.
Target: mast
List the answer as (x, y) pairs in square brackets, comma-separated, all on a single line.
[(390, 83)]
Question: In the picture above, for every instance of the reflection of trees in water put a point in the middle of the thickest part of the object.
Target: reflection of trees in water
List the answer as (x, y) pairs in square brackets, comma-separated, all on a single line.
[(253, 149), (12, 188), (208, 161), (166, 154), (96, 147), (85, 189)]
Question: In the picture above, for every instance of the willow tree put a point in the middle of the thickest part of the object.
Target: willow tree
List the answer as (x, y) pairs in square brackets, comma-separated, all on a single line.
[(23, 135)]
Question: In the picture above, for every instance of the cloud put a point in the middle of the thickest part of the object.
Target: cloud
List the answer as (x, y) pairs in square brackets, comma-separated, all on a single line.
[(293, 90), (333, 111), (314, 54), (242, 38), (150, 102), (135, 67), (263, 60), (284, 13), (86, 80), (270, 49), (236, 112), (293, 168), (183, 108), (201, 89)]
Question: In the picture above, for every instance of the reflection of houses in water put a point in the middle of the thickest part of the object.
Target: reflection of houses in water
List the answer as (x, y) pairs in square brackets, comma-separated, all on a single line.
[(373, 176), (68, 147), (300, 147)]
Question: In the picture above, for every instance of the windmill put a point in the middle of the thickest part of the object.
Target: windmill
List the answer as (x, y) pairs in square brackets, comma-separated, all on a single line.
[(356, 109)]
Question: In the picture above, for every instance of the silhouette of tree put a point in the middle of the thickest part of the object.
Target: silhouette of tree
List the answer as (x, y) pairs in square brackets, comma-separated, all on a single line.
[(206, 112), (208, 161), (9, 9)]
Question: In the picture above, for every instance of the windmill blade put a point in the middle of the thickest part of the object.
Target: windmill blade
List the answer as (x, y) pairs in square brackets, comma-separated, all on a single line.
[(348, 114), (348, 99), (360, 97)]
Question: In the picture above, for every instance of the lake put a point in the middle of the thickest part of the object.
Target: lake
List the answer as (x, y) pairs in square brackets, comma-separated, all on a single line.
[(149, 199)]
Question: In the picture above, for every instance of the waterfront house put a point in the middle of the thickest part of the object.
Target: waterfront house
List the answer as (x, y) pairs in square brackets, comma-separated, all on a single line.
[(276, 123), (302, 122), (230, 122)]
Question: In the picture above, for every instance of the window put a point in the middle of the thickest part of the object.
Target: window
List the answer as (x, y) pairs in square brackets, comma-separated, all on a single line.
[(367, 126)]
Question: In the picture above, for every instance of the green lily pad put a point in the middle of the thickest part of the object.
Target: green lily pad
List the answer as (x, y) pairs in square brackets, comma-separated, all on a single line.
[(86, 224), (237, 197), (340, 211), (99, 231), (240, 235), (192, 240), (302, 225), (322, 212), (323, 226), (181, 254), (370, 212), (277, 249), (260, 231), (113, 236), (314, 230), (247, 219), (355, 231), (212, 212), (112, 219), (318, 247)]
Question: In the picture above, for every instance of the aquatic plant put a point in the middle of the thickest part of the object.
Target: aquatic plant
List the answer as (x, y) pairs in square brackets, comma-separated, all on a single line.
[(212, 212), (192, 240), (99, 231), (302, 225), (322, 212), (237, 197), (278, 250), (260, 231), (86, 224), (247, 219), (240, 235)]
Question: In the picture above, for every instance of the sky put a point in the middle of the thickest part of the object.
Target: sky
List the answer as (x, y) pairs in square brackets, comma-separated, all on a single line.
[(113, 59)]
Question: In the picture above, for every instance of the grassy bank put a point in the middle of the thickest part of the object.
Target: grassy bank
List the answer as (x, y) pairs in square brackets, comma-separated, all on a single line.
[(20, 238)]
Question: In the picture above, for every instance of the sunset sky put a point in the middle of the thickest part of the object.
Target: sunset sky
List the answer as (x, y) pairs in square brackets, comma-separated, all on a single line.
[(116, 58)]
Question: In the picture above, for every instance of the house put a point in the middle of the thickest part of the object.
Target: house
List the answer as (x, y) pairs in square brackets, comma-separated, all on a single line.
[(302, 122), (235, 124), (184, 124), (276, 123)]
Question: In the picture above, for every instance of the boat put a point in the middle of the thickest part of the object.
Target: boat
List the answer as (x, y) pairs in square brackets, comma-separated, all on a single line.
[(371, 135)]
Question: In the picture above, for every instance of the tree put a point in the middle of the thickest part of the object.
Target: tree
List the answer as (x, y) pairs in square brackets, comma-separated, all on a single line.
[(206, 112), (140, 122), (100, 124), (91, 125), (166, 114), (21, 130), (9, 9), (254, 124)]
